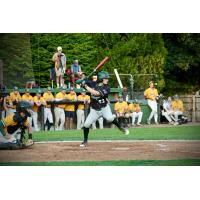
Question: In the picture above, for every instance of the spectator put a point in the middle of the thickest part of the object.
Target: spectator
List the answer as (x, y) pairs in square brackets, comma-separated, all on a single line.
[(38, 102), (81, 108), (167, 110), (59, 60), (59, 110), (15, 97), (177, 107), (151, 94), (121, 110), (48, 117), (135, 112), (27, 97), (75, 71), (70, 109), (125, 94)]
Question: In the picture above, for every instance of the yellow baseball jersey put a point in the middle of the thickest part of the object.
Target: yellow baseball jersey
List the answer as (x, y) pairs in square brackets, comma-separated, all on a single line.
[(27, 97), (61, 96), (177, 105), (48, 97), (36, 100), (70, 107), (82, 98), (15, 97), (134, 107), (8, 121), (151, 93), (121, 107)]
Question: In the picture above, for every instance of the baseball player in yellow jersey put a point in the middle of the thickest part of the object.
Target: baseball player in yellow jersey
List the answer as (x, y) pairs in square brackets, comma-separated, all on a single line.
[(59, 109), (8, 105), (15, 97), (135, 112), (70, 109), (151, 94), (121, 110), (177, 108), (48, 96), (38, 102), (28, 98), (80, 113), (12, 124)]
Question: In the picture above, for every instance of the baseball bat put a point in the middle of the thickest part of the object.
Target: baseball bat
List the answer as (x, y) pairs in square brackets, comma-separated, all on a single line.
[(101, 64)]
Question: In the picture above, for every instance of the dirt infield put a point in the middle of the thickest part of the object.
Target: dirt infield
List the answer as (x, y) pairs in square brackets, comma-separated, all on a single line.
[(101, 151)]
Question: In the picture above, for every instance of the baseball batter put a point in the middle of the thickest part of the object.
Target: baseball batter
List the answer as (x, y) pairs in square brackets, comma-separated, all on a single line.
[(99, 105)]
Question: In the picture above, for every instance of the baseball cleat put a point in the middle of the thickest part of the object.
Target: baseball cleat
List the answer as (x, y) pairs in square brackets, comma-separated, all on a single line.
[(124, 130), (83, 144)]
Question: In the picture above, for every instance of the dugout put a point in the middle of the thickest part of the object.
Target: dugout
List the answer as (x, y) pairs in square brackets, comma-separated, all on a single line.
[(112, 97)]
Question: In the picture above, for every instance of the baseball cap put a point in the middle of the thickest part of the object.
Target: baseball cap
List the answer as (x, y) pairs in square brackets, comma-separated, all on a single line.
[(27, 90), (39, 91), (49, 88), (176, 96), (16, 88), (59, 48), (62, 88)]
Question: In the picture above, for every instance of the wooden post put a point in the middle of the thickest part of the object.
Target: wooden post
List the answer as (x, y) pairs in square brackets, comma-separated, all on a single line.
[(1, 72), (193, 108)]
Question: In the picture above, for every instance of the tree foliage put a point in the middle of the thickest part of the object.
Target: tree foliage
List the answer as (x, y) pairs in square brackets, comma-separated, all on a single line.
[(174, 58)]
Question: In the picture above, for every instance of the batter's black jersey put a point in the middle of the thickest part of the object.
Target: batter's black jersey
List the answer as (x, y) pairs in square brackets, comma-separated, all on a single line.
[(98, 102)]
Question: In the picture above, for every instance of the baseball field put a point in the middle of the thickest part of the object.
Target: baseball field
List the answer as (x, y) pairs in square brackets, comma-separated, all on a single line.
[(153, 146)]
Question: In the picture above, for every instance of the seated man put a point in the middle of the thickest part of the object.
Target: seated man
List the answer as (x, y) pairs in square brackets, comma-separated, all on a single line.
[(121, 111), (177, 108), (75, 71), (135, 112), (10, 138), (167, 110)]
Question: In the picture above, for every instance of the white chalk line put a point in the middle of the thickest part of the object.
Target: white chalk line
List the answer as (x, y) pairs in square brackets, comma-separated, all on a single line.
[(116, 141)]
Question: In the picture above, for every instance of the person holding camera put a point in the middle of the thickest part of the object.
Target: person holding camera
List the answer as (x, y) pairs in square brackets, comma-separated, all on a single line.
[(59, 60)]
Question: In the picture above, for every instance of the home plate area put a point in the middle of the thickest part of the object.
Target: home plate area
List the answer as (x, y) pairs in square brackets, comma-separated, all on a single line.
[(105, 150)]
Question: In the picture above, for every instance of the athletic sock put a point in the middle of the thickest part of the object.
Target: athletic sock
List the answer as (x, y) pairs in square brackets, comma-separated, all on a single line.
[(86, 133), (30, 136), (116, 123)]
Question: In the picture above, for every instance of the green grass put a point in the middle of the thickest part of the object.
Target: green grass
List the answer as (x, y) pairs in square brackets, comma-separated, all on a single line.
[(187, 162), (153, 133)]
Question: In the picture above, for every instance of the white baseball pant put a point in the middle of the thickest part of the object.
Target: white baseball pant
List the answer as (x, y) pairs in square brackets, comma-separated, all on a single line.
[(176, 114), (94, 115), (35, 120), (80, 118), (59, 115), (137, 115), (100, 120), (154, 110), (48, 115)]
